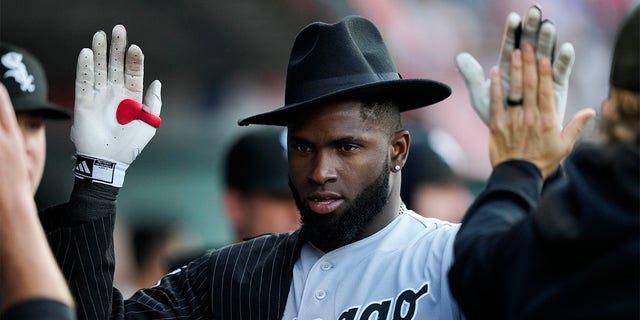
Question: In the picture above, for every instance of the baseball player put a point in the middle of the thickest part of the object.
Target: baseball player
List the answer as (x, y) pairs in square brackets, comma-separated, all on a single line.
[(25, 79), (360, 254), (31, 284)]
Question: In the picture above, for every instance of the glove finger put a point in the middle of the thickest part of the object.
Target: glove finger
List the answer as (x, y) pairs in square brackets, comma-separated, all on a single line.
[(470, 69), (563, 65), (546, 40), (134, 72), (84, 77), (473, 76), (152, 99), (99, 46), (531, 25), (510, 40), (561, 72), (116, 55)]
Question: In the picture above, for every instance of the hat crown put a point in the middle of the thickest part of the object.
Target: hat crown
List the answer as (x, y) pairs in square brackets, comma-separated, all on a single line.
[(24, 77), (331, 57), (22, 74)]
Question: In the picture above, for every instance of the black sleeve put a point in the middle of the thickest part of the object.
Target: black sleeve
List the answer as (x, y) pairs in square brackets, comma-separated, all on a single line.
[(81, 237), (39, 309), (488, 232)]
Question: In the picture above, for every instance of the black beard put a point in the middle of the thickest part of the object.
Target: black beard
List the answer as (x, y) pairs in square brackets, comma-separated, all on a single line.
[(330, 231)]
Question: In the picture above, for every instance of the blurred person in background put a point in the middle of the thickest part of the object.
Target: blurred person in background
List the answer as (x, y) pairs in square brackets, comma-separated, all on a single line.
[(24, 77), (31, 284), (430, 186), (257, 197), (152, 242), (574, 251), (145, 250), (256, 194)]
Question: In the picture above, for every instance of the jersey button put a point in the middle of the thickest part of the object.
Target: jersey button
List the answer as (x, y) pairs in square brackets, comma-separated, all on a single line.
[(320, 294), (326, 266)]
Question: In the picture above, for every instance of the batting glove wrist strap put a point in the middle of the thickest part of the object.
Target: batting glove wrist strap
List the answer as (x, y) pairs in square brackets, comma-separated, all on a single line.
[(105, 171)]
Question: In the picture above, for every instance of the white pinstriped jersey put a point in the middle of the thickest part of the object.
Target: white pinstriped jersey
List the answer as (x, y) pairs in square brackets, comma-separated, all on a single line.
[(399, 272)]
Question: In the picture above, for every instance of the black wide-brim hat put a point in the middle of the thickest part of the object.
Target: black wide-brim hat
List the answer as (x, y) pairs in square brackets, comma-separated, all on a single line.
[(343, 61)]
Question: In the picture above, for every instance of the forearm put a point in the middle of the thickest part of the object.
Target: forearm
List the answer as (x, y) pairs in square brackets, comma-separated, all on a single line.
[(28, 269), (81, 237), (486, 236), (513, 189)]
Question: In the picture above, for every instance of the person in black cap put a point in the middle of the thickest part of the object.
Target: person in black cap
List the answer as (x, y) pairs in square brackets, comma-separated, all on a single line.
[(31, 284), (430, 186), (574, 251), (360, 252), (257, 197), (256, 194), (24, 77), (25, 258)]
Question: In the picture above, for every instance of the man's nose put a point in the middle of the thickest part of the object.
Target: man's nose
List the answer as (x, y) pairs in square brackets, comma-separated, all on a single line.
[(324, 168)]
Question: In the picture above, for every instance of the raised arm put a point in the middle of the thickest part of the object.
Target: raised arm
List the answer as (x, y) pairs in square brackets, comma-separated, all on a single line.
[(112, 125), (526, 146)]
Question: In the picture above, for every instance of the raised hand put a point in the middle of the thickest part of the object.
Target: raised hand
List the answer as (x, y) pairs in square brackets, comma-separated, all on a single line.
[(528, 131), (14, 175), (541, 34), (112, 123)]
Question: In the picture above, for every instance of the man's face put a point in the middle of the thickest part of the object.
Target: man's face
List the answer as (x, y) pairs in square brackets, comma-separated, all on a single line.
[(339, 173), (33, 133)]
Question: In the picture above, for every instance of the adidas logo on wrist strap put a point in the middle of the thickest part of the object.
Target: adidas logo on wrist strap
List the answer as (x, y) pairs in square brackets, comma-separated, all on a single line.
[(100, 170)]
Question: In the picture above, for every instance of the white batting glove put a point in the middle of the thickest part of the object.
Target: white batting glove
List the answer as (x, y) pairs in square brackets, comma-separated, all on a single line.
[(111, 126), (541, 34)]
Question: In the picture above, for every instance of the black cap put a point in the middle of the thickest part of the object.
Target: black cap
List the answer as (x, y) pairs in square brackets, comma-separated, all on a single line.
[(625, 65), (423, 166), (257, 162), (26, 82)]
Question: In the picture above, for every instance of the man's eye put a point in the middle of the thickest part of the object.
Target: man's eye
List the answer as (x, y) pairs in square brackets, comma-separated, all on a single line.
[(300, 147), (348, 147), (35, 124)]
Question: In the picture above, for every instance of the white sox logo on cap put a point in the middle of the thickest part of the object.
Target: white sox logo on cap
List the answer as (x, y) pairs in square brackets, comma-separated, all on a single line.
[(18, 70)]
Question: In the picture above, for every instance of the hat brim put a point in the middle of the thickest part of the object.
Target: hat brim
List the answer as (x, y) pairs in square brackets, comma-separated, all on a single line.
[(408, 93), (48, 110)]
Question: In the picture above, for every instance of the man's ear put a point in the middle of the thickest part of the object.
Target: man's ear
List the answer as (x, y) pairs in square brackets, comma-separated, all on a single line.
[(399, 148)]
